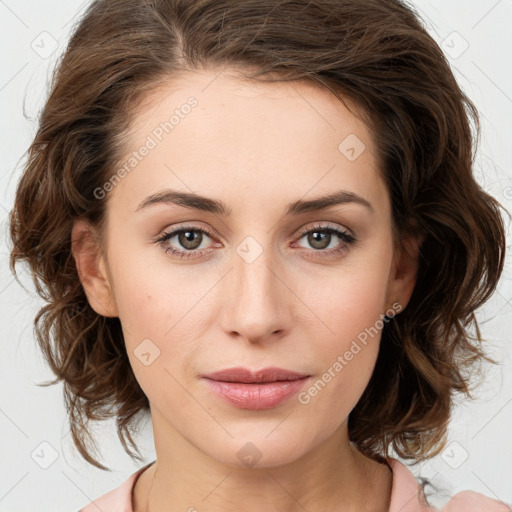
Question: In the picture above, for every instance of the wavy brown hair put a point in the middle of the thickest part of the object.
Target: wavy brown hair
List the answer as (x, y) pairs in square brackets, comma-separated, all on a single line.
[(375, 52)]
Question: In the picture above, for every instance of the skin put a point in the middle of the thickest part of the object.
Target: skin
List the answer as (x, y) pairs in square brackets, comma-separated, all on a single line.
[(256, 147)]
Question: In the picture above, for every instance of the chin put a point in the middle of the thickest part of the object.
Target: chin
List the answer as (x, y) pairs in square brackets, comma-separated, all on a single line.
[(258, 451)]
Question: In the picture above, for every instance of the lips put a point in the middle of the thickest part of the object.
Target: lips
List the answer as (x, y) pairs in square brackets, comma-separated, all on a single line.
[(247, 376), (255, 389)]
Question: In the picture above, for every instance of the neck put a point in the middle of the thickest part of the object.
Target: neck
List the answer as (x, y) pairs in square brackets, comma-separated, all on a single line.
[(333, 476)]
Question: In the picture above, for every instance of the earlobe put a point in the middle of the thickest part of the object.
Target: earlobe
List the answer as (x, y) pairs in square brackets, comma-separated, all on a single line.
[(92, 268)]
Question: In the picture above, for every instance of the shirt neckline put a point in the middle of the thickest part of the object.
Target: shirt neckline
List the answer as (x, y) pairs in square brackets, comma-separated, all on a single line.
[(134, 479)]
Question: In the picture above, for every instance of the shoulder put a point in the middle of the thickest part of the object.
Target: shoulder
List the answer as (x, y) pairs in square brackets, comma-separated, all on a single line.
[(118, 499), (407, 496), (470, 501)]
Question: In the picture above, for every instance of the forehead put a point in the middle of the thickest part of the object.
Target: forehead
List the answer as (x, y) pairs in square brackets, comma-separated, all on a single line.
[(250, 137), (260, 104)]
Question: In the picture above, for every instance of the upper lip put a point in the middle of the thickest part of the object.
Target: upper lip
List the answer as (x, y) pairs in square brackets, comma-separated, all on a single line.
[(247, 375)]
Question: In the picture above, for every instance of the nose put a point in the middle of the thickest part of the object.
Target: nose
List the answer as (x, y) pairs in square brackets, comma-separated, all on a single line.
[(258, 301)]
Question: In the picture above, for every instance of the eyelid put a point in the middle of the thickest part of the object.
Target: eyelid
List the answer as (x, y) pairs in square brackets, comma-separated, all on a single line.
[(300, 232), (174, 229), (346, 236), (325, 226)]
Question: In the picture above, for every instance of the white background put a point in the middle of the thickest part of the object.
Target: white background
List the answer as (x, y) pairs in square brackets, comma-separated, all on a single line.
[(480, 431)]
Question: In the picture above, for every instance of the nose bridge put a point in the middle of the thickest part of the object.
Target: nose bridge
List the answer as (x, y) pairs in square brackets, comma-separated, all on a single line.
[(258, 306)]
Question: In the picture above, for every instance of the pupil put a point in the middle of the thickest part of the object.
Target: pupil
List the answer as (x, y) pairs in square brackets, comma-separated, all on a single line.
[(319, 239), (188, 239)]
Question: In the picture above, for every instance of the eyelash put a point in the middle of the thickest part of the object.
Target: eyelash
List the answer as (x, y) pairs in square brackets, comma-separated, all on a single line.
[(345, 236)]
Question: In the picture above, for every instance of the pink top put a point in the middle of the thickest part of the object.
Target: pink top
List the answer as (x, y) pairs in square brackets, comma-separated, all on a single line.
[(405, 496)]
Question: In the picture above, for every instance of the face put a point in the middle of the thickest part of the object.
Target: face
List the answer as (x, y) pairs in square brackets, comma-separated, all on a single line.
[(260, 275)]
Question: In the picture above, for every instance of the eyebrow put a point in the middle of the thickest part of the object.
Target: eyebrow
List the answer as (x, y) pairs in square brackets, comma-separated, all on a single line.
[(205, 204)]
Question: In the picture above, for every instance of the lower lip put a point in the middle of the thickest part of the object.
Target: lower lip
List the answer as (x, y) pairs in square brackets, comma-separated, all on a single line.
[(256, 396)]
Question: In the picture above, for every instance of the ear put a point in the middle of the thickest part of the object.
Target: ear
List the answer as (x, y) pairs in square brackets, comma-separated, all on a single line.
[(402, 278), (92, 268)]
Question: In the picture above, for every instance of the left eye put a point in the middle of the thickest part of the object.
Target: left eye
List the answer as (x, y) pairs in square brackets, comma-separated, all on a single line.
[(188, 237), (191, 238), (320, 237)]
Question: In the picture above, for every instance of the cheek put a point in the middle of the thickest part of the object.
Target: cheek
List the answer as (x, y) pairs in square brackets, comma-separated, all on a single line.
[(360, 305), (150, 315), (352, 299), (157, 307), (144, 310), (347, 356), (352, 307), (149, 294)]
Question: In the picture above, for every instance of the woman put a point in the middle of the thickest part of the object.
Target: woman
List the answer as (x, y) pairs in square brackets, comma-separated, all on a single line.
[(257, 222)]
